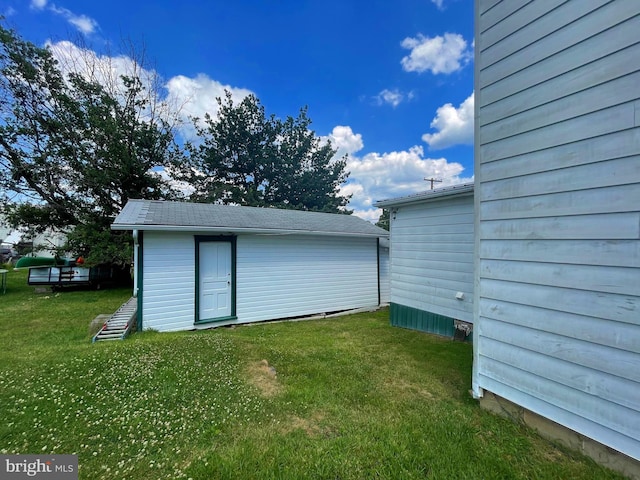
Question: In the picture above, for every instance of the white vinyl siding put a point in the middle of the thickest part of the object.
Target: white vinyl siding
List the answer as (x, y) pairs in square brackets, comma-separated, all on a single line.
[(432, 256), (168, 281), (385, 275), (558, 198), (277, 276), (289, 276)]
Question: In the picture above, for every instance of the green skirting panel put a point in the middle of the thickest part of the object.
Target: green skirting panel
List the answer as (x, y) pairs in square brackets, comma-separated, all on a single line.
[(415, 319)]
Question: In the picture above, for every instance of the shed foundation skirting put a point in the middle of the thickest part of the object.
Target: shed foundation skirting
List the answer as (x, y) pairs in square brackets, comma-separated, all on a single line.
[(416, 319), (555, 432)]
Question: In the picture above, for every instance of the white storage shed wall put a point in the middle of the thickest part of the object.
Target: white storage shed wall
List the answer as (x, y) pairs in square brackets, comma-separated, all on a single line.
[(432, 263), (290, 276), (384, 265), (168, 281), (558, 197), (277, 276)]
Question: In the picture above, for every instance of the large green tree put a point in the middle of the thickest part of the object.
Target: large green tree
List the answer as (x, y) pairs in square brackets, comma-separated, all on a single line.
[(73, 151), (248, 158)]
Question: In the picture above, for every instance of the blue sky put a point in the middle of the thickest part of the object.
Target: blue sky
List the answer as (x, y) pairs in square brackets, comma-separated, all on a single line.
[(390, 83)]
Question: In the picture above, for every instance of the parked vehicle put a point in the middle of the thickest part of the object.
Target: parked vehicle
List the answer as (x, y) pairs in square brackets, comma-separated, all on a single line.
[(7, 254), (64, 272)]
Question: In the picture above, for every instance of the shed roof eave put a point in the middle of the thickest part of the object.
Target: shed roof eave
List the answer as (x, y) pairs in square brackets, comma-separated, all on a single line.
[(231, 230), (456, 190)]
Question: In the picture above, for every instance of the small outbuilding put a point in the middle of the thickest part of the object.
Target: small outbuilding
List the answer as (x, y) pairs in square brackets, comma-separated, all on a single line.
[(431, 256), (199, 265)]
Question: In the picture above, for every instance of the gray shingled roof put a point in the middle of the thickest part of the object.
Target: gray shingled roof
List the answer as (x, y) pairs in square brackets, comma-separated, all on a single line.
[(182, 216)]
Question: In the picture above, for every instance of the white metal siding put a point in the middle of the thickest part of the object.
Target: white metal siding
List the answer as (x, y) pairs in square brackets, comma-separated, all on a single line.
[(277, 276), (168, 281), (385, 275), (432, 256), (288, 276), (558, 198)]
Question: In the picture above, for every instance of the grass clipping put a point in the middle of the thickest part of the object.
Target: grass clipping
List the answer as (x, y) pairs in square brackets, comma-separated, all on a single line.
[(264, 377)]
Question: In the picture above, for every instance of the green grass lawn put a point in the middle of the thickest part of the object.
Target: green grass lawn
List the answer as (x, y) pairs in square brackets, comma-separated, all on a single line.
[(346, 398)]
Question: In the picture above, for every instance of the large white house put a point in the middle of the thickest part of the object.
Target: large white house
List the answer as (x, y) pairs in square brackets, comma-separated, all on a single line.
[(557, 202)]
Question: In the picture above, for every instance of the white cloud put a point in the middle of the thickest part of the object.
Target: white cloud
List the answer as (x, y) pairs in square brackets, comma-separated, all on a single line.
[(377, 176), (345, 141), (105, 69), (374, 176), (439, 4), (83, 23), (441, 54), (38, 4), (392, 97), (454, 125), (196, 97), (185, 97)]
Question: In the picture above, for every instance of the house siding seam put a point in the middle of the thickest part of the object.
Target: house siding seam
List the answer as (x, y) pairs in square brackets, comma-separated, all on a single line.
[(558, 195)]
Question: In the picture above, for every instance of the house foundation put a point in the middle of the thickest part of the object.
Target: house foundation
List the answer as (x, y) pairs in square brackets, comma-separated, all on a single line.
[(555, 432)]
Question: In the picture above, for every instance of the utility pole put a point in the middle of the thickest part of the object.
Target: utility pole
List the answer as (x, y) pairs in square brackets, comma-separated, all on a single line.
[(433, 180)]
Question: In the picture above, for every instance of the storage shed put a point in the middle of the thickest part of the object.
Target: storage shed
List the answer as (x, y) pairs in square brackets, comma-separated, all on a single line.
[(431, 258), (557, 299), (198, 265)]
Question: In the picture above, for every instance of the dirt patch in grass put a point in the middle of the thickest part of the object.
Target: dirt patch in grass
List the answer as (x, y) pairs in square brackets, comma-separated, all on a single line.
[(264, 377), (400, 387), (312, 426)]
